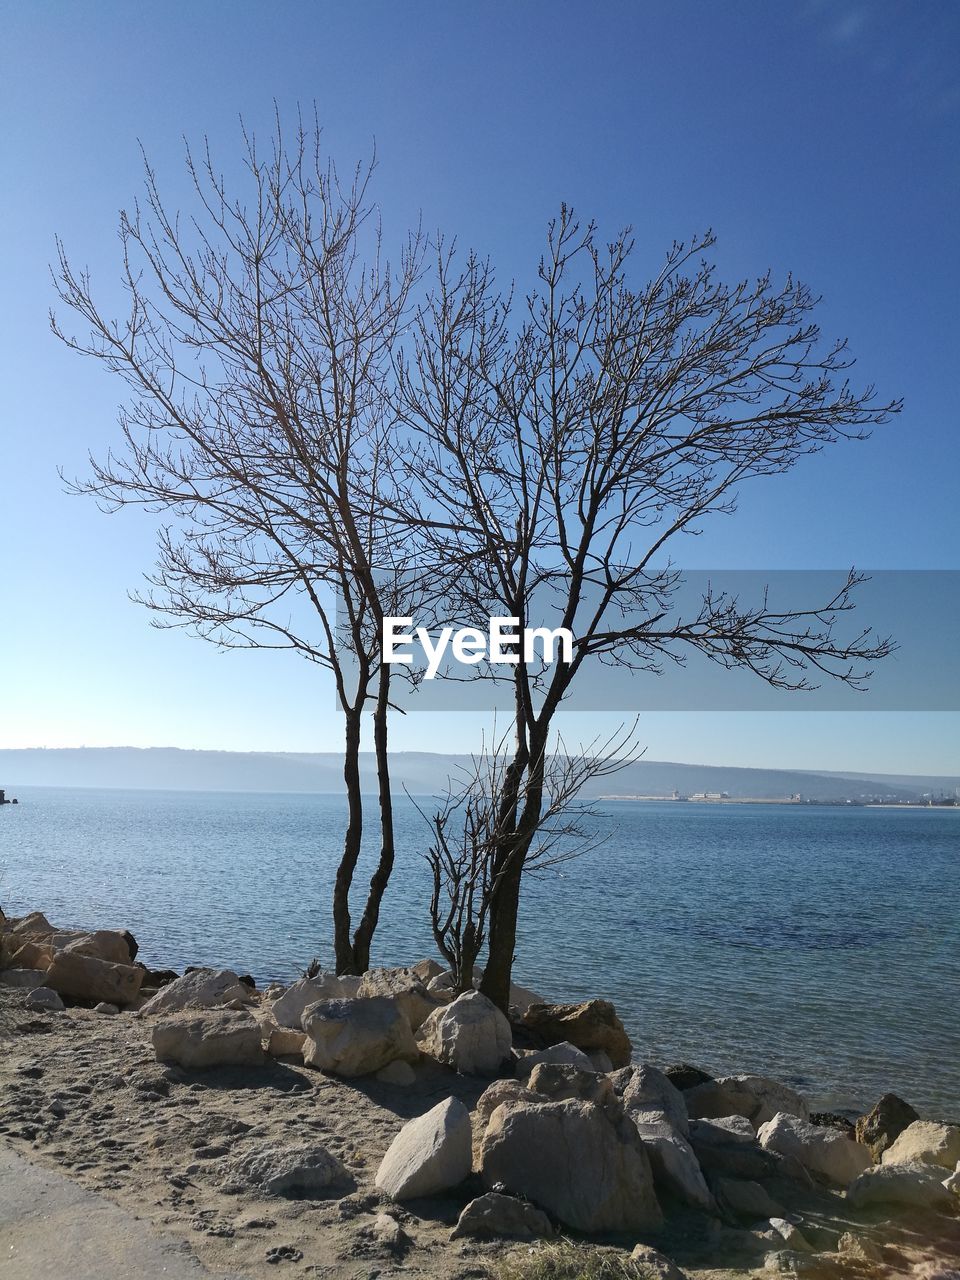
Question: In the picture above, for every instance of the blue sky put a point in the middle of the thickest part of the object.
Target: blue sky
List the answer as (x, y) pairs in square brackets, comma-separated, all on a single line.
[(815, 137)]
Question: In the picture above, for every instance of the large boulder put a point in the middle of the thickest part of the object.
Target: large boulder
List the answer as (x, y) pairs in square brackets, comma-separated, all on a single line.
[(470, 1035), (103, 944), (913, 1186), (884, 1124), (199, 989), (217, 1038), (821, 1150), (675, 1165), (32, 955), (356, 1037), (591, 1025), (288, 1009), (295, 1171), (573, 1161), (926, 1142), (29, 978), (757, 1098), (405, 987), (728, 1147), (564, 1053), (494, 1216), (430, 1154), (86, 978), (645, 1090)]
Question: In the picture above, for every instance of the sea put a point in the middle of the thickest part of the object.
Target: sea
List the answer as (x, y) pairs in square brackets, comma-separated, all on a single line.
[(817, 945)]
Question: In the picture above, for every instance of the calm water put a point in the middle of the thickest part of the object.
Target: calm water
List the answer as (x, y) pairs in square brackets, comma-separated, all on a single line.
[(816, 945)]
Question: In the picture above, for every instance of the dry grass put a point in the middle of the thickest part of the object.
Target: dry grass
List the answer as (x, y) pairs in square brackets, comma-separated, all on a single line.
[(565, 1260)]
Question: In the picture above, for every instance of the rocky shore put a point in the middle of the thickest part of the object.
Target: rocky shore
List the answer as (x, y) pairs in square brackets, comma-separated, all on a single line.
[(383, 1125)]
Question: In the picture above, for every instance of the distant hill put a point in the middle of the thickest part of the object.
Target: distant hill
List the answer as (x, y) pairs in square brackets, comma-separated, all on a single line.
[(423, 773)]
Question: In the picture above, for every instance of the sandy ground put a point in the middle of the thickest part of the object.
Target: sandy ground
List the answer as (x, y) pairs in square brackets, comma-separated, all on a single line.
[(81, 1092)]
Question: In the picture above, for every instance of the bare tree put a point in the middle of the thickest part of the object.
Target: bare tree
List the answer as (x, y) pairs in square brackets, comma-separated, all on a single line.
[(468, 832), (258, 349), (568, 440)]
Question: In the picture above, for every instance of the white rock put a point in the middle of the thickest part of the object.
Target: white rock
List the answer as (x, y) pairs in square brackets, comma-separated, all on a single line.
[(858, 1248), (675, 1166), (470, 1035), (105, 1008), (288, 1170), (103, 944), (405, 987), (44, 1000), (563, 1052), (644, 1089), (925, 1142), (200, 989), (284, 1042), (288, 1009), (573, 1161), (910, 1185), (494, 1216), (430, 1154), (757, 1098), (746, 1199), (791, 1235), (356, 1037), (216, 1038), (821, 1149)]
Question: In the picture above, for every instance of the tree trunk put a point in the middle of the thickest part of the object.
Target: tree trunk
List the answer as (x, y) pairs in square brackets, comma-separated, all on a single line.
[(505, 899), (343, 949), (378, 883)]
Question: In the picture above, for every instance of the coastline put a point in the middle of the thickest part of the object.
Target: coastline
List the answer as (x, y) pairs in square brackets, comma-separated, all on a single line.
[(88, 1091)]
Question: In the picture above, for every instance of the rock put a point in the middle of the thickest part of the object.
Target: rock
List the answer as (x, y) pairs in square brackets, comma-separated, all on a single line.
[(33, 955), (495, 1095), (299, 1170), (745, 1199), (198, 989), (728, 1147), (157, 977), (470, 1035), (43, 1000), (573, 1161), (675, 1165), (356, 1037), (104, 944), (926, 1142), (825, 1152), (684, 1076), (791, 1235), (397, 1073), (104, 1007), (916, 1186), (32, 979), (859, 1248), (560, 1082), (282, 1042), (427, 969), (388, 1233), (34, 925), (441, 988), (289, 1008), (591, 1025), (405, 987), (430, 1154), (952, 1183), (562, 1053), (217, 1038), (881, 1126), (655, 1265), (87, 978), (495, 1216), (600, 1061), (757, 1098), (834, 1120), (645, 1089)]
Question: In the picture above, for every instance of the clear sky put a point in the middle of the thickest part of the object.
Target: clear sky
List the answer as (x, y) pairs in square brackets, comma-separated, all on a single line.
[(819, 137)]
